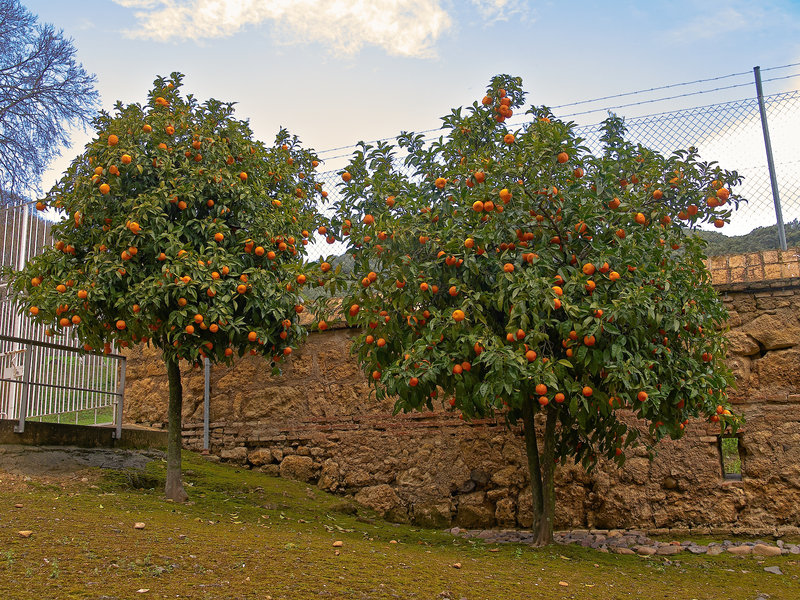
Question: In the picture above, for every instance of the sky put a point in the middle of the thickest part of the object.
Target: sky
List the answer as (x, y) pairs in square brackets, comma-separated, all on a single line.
[(338, 71)]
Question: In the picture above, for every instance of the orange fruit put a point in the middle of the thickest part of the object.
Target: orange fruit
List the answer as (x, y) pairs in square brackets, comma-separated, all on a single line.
[(440, 182), (657, 194), (243, 176), (413, 382), (587, 391), (508, 268), (458, 315), (530, 355), (104, 188), (588, 269), (252, 336), (34, 310), (346, 177), (505, 196), (614, 203), (113, 140), (218, 237), (120, 324), (543, 401), (477, 206), (189, 329), (640, 219), (559, 398), (241, 288), (562, 157), (508, 138), (641, 396)]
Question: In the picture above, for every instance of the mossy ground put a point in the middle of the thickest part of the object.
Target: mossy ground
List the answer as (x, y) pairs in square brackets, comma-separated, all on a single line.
[(248, 536)]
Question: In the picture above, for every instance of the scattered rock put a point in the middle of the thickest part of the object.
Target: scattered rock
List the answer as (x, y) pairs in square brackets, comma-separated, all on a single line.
[(18, 506), (715, 550), (457, 565), (138, 525), (740, 550), (668, 550), (563, 583), (765, 550), (25, 533), (237, 455), (622, 550), (338, 544), (645, 550), (698, 549), (774, 570), (297, 467)]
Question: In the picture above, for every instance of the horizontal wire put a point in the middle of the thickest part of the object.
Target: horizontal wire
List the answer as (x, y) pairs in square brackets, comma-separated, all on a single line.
[(727, 87)]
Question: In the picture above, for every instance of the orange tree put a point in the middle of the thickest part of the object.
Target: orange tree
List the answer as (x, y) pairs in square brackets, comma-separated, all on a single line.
[(181, 232), (514, 272)]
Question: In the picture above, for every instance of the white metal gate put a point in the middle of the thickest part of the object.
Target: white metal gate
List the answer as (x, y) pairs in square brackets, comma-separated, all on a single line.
[(41, 377)]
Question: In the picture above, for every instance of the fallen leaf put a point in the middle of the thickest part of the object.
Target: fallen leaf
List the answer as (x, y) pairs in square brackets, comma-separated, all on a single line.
[(338, 544), (25, 533), (392, 541), (138, 525), (494, 549), (456, 565), (18, 506), (563, 583), (142, 590)]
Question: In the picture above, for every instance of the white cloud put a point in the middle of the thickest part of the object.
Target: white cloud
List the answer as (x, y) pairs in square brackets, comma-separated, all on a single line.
[(401, 27)]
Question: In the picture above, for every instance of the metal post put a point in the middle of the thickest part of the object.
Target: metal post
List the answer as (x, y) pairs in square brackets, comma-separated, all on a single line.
[(206, 402), (773, 180), (22, 259), (120, 398), (26, 385)]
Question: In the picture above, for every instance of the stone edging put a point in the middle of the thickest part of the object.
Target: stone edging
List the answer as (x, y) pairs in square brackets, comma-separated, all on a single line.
[(621, 541)]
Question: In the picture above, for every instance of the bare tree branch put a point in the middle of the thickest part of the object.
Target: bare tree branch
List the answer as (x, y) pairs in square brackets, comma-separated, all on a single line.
[(43, 92)]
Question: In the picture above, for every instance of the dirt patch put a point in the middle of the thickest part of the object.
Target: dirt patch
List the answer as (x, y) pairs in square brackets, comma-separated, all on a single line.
[(66, 462)]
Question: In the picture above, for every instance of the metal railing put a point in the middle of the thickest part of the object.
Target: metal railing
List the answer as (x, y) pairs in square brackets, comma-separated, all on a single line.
[(41, 379)]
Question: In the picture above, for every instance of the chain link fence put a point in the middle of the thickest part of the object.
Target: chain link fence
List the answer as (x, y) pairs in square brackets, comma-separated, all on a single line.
[(729, 133)]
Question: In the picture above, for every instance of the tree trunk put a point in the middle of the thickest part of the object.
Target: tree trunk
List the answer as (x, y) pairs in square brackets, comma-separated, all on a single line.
[(174, 488), (541, 469)]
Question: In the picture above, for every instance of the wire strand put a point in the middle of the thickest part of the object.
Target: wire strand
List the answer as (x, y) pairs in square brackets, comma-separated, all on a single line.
[(727, 87)]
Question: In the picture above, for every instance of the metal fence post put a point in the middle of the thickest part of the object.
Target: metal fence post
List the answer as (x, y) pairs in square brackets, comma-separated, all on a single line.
[(120, 399), (773, 180), (206, 402), (26, 386)]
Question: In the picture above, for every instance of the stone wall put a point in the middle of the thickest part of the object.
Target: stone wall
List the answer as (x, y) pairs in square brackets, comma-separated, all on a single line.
[(317, 422)]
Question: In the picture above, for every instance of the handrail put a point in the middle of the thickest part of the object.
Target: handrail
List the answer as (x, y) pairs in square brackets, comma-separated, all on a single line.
[(29, 342)]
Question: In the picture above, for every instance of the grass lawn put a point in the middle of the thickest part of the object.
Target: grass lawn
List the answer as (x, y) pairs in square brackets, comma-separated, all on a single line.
[(82, 417), (248, 536)]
